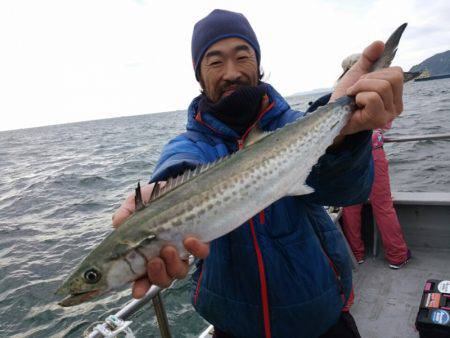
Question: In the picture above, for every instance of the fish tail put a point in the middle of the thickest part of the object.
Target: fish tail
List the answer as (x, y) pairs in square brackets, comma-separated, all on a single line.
[(390, 48)]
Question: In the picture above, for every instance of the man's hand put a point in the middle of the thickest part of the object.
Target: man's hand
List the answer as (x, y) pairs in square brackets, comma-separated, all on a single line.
[(379, 95), (168, 266)]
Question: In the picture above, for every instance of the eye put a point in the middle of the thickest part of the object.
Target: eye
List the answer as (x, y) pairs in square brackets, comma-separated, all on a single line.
[(92, 276), (215, 63)]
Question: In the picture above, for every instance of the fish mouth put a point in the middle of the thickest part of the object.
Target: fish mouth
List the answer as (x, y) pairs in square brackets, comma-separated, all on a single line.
[(79, 298)]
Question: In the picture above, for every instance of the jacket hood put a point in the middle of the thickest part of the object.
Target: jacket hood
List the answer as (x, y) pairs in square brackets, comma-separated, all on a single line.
[(210, 125)]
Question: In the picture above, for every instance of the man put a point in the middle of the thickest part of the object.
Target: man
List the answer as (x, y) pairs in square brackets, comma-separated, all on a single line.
[(285, 272)]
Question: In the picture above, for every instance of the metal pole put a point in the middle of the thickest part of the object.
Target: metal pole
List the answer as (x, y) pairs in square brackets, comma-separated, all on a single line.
[(161, 316), (134, 305)]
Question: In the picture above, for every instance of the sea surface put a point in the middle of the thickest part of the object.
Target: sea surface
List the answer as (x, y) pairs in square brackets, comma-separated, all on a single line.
[(60, 185)]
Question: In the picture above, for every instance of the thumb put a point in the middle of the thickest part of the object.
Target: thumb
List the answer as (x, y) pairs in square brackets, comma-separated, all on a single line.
[(196, 247), (361, 67), (368, 57)]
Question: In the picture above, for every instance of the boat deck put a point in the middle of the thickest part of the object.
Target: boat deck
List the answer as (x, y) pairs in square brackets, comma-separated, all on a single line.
[(387, 300)]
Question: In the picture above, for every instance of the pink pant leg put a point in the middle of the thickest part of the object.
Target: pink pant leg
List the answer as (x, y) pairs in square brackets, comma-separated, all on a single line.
[(351, 217), (384, 212)]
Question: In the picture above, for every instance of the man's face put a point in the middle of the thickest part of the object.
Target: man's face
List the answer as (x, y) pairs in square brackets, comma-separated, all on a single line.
[(227, 65)]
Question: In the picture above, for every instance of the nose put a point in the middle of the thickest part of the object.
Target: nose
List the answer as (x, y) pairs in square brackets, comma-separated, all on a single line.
[(231, 71)]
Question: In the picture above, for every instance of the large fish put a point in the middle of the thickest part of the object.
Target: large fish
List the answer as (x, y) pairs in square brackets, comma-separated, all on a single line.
[(215, 198)]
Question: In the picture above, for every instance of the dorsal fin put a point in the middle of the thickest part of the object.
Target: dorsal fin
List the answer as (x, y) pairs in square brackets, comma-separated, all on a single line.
[(156, 191), (255, 135), (138, 202), (188, 175)]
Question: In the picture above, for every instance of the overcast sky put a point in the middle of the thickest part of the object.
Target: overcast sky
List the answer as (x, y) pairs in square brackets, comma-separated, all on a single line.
[(75, 60)]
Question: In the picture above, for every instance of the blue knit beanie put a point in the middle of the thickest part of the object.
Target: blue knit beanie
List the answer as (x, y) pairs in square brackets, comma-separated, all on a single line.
[(217, 25)]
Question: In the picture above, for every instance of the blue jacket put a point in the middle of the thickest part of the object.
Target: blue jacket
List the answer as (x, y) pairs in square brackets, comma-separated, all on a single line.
[(273, 273)]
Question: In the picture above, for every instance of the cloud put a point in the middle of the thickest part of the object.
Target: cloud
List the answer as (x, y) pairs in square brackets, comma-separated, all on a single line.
[(78, 59)]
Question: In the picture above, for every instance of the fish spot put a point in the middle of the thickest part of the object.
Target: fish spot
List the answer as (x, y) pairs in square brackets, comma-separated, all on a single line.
[(176, 223), (189, 217)]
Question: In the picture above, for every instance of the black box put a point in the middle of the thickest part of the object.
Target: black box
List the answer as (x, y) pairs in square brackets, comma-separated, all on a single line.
[(433, 319)]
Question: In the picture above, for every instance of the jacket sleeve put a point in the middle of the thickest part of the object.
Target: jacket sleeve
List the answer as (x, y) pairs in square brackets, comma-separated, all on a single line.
[(343, 176), (334, 244), (177, 156)]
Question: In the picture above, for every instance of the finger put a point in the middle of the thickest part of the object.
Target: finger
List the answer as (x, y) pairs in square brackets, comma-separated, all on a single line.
[(361, 67), (397, 82), (368, 116), (381, 87), (196, 247), (126, 209), (157, 273), (140, 288), (370, 54), (373, 114), (394, 76), (355, 124), (176, 268)]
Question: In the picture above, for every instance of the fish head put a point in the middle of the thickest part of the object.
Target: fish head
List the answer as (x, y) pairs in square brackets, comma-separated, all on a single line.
[(102, 270), (86, 282), (114, 263)]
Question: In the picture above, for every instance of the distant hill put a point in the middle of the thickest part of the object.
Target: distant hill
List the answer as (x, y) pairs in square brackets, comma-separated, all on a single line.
[(437, 64)]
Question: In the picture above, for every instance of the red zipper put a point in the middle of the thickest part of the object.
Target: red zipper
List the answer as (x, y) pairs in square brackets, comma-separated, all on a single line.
[(263, 282), (241, 141), (197, 289)]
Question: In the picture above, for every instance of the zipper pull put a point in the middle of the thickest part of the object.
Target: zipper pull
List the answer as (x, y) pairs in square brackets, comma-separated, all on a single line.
[(240, 143)]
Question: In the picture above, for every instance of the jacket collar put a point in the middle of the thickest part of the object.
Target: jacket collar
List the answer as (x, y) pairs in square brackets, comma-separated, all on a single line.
[(208, 124)]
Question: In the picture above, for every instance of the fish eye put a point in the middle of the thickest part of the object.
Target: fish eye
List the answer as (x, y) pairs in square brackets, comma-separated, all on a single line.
[(92, 276)]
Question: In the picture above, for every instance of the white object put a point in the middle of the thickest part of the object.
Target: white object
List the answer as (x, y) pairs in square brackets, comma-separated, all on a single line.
[(113, 326)]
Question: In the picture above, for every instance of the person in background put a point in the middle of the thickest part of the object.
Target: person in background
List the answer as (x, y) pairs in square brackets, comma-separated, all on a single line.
[(380, 198), (286, 271)]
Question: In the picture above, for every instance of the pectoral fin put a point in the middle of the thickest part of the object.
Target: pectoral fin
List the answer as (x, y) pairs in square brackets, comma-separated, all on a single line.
[(255, 135), (300, 189)]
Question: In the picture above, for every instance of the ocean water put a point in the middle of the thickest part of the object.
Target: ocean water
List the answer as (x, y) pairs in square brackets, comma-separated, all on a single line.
[(60, 185)]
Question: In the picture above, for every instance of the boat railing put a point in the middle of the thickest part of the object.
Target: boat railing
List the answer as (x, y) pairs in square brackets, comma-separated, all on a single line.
[(426, 137), (118, 323)]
